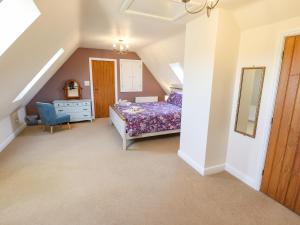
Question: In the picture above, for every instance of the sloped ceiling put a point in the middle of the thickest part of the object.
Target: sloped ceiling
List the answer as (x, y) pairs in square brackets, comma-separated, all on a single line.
[(263, 12), (69, 24), (57, 27), (159, 55)]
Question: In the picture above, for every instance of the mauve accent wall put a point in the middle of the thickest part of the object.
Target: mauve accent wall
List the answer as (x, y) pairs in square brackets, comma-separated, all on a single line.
[(77, 67)]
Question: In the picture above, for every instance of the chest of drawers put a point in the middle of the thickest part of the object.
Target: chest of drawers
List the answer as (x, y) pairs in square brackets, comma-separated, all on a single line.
[(79, 110)]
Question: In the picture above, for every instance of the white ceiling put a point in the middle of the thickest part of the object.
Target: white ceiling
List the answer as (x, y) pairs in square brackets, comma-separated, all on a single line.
[(142, 22), (139, 22), (167, 10), (103, 23)]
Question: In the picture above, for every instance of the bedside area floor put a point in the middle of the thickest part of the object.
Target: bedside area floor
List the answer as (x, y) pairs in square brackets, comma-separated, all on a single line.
[(82, 177)]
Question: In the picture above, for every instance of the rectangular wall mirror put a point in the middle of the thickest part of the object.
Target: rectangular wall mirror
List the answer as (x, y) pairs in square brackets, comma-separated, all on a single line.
[(251, 86)]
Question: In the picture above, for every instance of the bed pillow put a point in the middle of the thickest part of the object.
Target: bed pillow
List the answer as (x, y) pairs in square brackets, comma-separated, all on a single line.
[(175, 98)]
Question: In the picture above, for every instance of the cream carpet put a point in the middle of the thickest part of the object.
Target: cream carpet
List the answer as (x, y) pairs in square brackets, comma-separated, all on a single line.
[(82, 177)]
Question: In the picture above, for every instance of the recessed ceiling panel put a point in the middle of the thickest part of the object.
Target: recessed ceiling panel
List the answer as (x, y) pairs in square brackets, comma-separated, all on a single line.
[(169, 10), (161, 8)]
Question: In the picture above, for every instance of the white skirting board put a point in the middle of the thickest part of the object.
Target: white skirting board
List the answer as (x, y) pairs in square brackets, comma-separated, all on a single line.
[(214, 169), (191, 162), (243, 177), (219, 168), (200, 169), (11, 137)]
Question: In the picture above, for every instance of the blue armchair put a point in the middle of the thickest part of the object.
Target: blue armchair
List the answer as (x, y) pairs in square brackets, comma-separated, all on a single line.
[(48, 116)]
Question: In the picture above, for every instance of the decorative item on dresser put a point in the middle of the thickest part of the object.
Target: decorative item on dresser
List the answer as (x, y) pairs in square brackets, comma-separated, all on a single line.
[(72, 90), (79, 110)]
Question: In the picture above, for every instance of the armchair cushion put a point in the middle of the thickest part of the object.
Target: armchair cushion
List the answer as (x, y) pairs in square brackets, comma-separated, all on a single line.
[(48, 115), (63, 119)]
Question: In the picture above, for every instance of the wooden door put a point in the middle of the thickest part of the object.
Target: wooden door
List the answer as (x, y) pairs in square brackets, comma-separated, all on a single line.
[(281, 179), (104, 87)]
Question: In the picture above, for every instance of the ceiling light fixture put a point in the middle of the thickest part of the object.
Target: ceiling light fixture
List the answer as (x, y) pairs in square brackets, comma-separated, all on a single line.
[(120, 47), (209, 5)]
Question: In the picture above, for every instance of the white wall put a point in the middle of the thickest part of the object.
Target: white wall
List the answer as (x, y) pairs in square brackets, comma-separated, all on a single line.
[(226, 55), (11, 126), (211, 51), (159, 55), (261, 46), (200, 45)]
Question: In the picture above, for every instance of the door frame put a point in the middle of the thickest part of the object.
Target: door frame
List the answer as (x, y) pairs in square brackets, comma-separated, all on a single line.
[(91, 59), (277, 70)]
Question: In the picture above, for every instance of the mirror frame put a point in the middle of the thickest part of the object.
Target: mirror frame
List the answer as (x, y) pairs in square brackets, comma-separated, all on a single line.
[(259, 101), (67, 91)]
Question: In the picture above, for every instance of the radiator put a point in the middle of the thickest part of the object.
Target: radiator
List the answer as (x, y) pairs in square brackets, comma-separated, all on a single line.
[(146, 99)]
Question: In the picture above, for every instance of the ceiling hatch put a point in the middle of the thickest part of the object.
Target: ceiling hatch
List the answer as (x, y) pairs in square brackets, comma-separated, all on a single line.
[(169, 10)]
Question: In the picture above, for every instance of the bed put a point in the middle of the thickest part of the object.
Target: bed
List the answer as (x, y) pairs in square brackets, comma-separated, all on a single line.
[(140, 120)]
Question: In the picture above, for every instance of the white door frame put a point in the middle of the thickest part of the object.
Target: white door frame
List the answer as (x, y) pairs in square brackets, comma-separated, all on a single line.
[(263, 154), (91, 59)]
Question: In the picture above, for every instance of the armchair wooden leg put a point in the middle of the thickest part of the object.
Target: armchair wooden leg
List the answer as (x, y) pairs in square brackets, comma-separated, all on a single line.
[(51, 129), (69, 125)]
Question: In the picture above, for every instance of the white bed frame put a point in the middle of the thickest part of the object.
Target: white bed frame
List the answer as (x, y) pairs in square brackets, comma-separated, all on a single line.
[(120, 123)]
